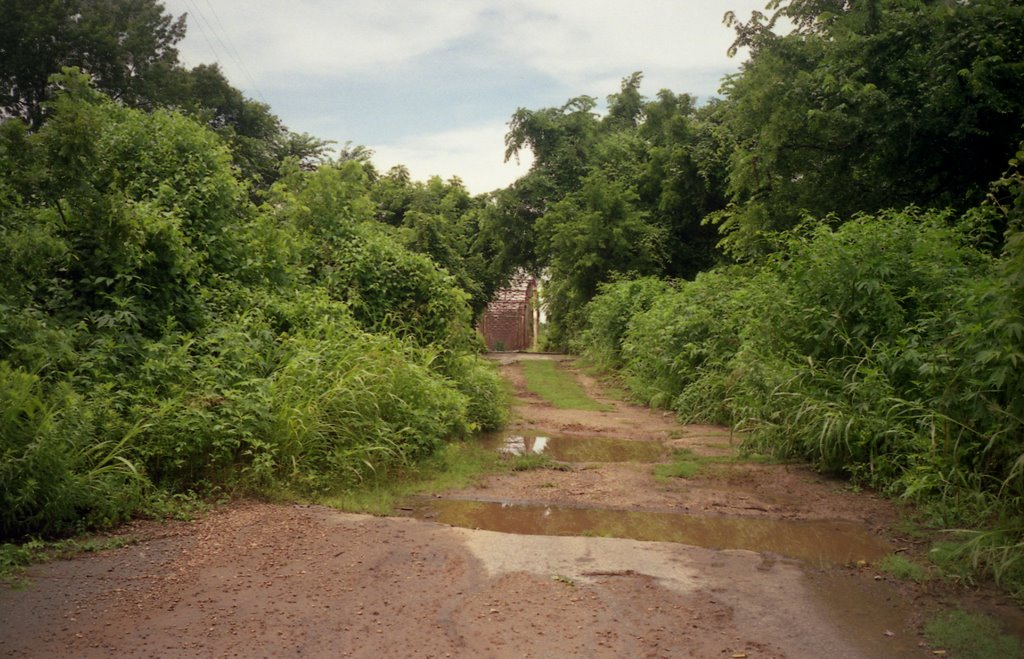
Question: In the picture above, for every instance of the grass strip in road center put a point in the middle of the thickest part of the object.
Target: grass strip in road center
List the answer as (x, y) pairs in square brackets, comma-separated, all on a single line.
[(558, 387)]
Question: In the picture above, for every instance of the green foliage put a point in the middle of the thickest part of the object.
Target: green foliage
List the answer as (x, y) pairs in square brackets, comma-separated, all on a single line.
[(902, 567), (479, 381), (608, 316), (870, 105), (998, 552), (622, 195), (440, 220), (971, 636), (684, 465), (391, 289), (591, 236), (13, 558), (127, 45), (886, 349), (64, 459), (677, 352), (129, 49), (530, 461), (162, 335)]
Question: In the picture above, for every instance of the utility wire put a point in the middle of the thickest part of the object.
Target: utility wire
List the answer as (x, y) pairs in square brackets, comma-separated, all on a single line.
[(235, 55), (229, 53), (202, 30)]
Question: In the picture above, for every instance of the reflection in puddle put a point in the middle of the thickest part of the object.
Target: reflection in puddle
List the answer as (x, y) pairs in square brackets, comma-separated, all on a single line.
[(579, 449), (821, 543)]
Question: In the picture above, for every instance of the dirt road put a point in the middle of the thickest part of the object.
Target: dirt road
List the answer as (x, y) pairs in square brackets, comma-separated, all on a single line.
[(255, 579)]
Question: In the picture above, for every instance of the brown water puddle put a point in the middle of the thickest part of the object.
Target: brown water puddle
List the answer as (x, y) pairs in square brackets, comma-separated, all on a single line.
[(578, 449), (819, 543), (870, 614)]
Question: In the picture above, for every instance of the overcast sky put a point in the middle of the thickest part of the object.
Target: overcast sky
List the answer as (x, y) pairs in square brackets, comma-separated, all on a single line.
[(431, 84)]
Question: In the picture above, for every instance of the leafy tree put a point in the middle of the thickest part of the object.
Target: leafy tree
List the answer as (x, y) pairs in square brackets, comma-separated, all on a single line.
[(441, 220), (138, 209), (159, 333), (684, 178), (870, 105), (622, 193), (590, 236), (561, 140), (128, 49), (128, 46)]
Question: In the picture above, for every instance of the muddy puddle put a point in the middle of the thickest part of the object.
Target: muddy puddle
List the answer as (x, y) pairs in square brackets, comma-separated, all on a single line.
[(869, 614), (578, 449), (818, 543)]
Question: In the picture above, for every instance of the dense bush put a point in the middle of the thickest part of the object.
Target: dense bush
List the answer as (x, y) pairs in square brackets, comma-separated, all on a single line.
[(888, 349), (63, 464), (160, 333), (609, 314)]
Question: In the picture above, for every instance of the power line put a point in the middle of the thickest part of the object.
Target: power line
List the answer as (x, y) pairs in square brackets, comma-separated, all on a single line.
[(202, 30), (235, 54), (200, 19)]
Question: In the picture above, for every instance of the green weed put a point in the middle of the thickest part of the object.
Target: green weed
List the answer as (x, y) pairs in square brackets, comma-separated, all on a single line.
[(530, 461), (15, 557), (685, 464), (557, 386), (456, 465), (971, 636), (901, 567), (847, 355)]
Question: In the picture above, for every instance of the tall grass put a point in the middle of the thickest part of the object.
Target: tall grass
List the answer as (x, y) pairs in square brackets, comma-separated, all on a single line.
[(887, 350)]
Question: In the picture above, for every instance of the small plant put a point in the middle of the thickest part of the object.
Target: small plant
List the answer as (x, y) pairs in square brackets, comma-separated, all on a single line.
[(15, 557), (912, 527), (182, 506), (948, 558), (902, 567), (455, 465), (971, 636), (530, 461), (684, 465), (687, 464)]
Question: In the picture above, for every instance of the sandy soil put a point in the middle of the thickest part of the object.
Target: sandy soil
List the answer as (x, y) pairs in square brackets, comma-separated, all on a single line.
[(254, 579)]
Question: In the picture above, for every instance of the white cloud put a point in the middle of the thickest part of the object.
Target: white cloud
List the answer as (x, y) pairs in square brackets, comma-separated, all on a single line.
[(572, 40), (370, 70), (474, 154), (582, 41), (308, 37)]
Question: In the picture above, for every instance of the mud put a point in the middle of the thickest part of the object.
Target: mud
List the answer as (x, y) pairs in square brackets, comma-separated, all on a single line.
[(567, 448), (255, 579), (818, 543)]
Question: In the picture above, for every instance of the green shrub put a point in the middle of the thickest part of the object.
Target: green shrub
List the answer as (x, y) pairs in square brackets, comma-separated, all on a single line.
[(887, 350), (971, 636), (609, 314), (686, 335), (158, 330), (65, 460)]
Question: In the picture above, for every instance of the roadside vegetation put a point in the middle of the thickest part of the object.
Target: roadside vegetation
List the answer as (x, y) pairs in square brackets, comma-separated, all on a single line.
[(161, 333), (196, 301), (810, 259)]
